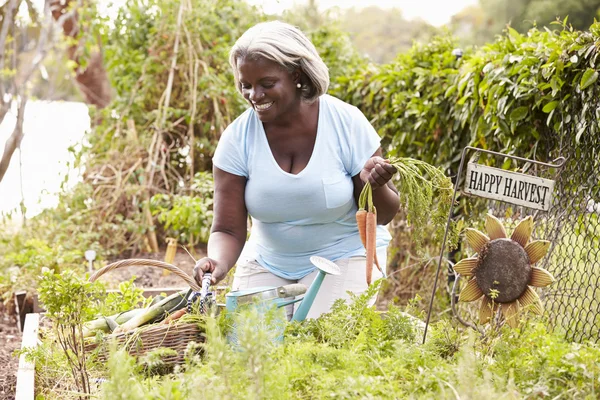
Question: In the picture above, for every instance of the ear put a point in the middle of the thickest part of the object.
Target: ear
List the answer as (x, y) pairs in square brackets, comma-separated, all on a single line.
[(296, 74)]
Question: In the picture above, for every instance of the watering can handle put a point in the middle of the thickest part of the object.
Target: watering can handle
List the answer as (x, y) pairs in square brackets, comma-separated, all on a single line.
[(291, 290)]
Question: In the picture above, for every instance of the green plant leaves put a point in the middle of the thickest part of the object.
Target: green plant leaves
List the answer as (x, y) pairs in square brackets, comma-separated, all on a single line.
[(518, 114), (589, 77), (550, 106)]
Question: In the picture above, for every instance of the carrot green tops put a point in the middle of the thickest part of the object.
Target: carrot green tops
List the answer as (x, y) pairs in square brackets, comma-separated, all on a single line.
[(310, 213)]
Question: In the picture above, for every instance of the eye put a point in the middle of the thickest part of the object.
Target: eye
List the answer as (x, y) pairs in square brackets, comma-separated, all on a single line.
[(244, 86), (268, 85)]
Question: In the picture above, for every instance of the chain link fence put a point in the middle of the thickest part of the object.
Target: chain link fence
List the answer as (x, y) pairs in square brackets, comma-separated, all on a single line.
[(573, 301), (572, 224)]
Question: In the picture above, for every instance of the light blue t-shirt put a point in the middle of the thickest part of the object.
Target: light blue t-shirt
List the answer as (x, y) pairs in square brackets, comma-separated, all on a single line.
[(312, 213)]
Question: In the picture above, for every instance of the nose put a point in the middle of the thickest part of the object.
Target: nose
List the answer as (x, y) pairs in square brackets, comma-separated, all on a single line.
[(255, 95)]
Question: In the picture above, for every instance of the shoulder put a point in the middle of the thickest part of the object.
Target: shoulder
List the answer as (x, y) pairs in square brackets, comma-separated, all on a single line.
[(240, 127), (340, 108)]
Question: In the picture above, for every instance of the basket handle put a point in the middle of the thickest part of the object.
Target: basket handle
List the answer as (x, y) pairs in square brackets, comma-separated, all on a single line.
[(150, 263)]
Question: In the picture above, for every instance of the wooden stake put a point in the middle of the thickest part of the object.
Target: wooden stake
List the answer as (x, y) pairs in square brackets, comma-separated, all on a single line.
[(26, 372)]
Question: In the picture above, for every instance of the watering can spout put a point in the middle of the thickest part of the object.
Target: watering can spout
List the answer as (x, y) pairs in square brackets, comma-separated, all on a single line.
[(325, 267)]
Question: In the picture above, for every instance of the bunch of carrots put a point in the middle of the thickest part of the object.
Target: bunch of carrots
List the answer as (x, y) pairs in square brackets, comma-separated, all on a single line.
[(366, 219), (418, 183)]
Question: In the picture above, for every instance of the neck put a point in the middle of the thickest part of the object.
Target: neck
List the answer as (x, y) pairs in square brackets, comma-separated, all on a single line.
[(297, 117)]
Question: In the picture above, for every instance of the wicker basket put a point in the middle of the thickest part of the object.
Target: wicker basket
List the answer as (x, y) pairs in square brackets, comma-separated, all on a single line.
[(142, 340)]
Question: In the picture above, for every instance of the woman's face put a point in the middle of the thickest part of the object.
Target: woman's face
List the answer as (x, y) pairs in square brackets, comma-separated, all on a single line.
[(270, 89)]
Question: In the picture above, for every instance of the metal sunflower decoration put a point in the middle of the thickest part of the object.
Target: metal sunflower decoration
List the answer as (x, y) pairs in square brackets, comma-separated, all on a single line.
[(503, 272)]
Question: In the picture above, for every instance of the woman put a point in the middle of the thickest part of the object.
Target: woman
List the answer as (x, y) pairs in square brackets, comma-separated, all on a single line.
[(296, 161)]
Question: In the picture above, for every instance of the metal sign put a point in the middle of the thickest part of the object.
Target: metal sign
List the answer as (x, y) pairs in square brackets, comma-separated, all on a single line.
[(511, 187), (496, 184)]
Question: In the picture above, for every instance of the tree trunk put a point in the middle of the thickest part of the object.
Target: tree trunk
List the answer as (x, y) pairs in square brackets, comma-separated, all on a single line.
[(14, 141), (92, 81)]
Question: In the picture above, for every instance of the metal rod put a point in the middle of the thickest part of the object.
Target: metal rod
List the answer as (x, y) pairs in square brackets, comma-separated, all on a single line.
[(561, 160), (437, 273), (557, 163)]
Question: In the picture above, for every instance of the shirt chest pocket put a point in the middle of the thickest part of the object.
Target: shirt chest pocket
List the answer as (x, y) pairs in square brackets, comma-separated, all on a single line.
[(338, 191)]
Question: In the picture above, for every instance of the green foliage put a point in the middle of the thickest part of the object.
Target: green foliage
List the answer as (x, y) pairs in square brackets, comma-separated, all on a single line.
[(70, 301), (353, 352), (419, 184), (509, 96), (516, 96), (127, 298), (58, 238), (26, 257), (188, 217), (124, 383), (153, 362), (405, 102), (568, 367), (524, 14), (355, 325)]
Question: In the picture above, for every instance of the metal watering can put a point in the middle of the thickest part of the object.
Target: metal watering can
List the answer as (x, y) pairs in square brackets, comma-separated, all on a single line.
[(265, 299)]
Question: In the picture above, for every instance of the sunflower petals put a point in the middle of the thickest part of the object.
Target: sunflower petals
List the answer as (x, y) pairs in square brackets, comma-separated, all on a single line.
[(487, 309), (471, 292), (540, 277), (523, 231), (536, 250), (466, 266), (476, 239), (530, 299), (494, 227), (511, 313)]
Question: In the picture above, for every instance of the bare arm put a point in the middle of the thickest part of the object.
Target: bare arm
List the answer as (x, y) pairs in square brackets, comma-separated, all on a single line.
[(228, 232), (385, 194)]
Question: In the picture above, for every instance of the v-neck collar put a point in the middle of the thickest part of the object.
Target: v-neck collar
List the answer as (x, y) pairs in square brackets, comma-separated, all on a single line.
[(263, 135)]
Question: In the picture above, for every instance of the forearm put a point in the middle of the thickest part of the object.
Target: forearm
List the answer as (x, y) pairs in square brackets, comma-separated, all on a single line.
[(387, 203), (385, 199), (225, 247)]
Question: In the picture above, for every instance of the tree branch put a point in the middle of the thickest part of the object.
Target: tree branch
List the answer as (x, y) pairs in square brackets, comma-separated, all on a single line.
[(14, 141), (7, 21), (41, 50)]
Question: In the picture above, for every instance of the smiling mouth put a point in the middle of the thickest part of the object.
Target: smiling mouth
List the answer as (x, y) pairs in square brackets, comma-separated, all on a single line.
[(263, 107)]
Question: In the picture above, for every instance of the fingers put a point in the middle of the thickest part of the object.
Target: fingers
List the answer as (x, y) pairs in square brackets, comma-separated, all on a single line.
[(217, 275), (381, 172), (203, 265)]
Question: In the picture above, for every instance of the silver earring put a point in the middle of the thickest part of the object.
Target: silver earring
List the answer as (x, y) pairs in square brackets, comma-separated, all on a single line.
[(298, 85)]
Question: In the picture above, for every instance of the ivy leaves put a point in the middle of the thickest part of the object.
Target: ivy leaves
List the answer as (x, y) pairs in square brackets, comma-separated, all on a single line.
[(589, 77), (508, 96)]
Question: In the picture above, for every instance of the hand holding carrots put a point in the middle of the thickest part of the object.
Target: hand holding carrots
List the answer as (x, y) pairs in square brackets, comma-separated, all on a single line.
[(377, 171)]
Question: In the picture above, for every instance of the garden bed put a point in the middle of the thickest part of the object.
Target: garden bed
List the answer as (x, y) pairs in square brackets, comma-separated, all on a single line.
[(147, 278)]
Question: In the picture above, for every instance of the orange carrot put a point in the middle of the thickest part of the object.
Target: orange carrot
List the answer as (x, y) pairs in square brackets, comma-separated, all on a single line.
[(371, 242), (176, 315), (361, 221), (376, 260)]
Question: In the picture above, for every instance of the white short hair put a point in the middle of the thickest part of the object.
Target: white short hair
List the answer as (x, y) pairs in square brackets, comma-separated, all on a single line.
[(287, 46)]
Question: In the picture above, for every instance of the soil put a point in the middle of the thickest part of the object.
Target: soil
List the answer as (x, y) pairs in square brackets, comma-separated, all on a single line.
[(10, 340)]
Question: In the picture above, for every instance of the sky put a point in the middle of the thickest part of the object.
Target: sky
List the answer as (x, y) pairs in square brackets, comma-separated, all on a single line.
[(436, 12)]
